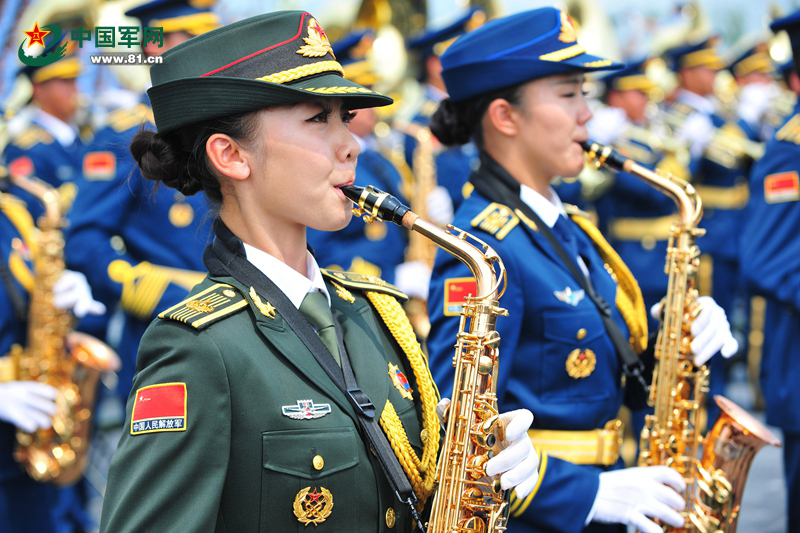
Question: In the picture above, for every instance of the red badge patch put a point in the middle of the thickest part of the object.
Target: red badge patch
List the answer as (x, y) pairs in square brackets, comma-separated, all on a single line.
[(456, 291), (782, 187), (99, 166), (159, 407), (21, 166)]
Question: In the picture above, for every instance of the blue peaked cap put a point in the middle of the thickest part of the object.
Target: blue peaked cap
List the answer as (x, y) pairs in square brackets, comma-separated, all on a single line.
[(425, 42), (515, 49)]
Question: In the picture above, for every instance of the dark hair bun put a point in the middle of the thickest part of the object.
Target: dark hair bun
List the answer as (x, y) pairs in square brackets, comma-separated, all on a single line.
[(450, 124), (160, 161)]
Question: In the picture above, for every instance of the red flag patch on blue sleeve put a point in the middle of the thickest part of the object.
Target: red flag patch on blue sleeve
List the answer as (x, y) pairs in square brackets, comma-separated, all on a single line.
[(99, 166), (781, 187), (456, 291), (159, 407)]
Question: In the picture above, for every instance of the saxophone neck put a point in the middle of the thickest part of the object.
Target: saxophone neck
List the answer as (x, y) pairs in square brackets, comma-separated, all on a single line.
[(686, 198), (45, 193), (484, 263)]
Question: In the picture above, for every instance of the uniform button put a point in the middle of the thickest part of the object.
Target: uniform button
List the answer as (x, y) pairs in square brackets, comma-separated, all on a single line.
[(581, 334), (391, 518), (318, 462)]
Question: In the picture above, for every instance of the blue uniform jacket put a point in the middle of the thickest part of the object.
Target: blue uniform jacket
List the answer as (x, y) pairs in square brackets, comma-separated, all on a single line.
[(36, 151), (152, 228), (537, 337), (15, 222), (770, 255), (372, 249)]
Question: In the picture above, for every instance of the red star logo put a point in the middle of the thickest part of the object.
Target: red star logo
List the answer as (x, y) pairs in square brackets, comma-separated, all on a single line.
[(36, 36)]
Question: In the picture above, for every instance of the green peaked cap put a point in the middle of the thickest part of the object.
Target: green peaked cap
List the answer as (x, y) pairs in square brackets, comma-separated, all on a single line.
[(278, 58)]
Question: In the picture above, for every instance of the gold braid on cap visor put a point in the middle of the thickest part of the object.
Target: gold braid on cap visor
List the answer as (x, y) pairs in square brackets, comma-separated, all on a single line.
[(301, 72)]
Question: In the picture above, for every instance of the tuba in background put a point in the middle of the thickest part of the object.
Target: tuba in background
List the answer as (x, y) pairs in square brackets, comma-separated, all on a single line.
[(466, 500), (671, 436), (70, 361)]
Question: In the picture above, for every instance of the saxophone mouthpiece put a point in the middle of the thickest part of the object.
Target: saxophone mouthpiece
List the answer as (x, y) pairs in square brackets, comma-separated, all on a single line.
[(377, 203), (604, 155)]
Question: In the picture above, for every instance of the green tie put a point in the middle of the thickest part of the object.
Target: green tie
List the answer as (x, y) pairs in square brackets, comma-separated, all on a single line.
[(316, 310)]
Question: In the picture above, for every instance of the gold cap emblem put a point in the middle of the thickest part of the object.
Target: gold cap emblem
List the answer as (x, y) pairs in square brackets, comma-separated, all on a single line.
[(568, 32), (317, 44)]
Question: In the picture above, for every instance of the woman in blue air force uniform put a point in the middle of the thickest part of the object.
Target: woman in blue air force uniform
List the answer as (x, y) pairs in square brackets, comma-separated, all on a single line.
[(515, 89)]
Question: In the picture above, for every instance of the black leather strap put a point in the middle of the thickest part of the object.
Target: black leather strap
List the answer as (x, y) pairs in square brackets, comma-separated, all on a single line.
[(225, 256), (494, 183)]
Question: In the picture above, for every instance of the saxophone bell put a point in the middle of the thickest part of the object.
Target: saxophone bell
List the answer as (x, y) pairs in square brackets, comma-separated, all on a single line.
[(671, 435)]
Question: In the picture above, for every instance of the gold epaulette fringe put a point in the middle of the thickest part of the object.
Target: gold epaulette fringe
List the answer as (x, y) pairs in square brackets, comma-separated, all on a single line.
[(421, 471), (629, 296)]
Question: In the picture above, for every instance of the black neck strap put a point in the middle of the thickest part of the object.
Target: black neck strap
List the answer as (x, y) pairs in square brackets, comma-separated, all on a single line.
[(225, 256), (494, 183)]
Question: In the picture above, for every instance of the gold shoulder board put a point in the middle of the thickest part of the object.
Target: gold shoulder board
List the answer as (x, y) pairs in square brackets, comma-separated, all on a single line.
[(125, 119), (496, 219), (32, 136), (790, 132), (353, 280), (207, 306)]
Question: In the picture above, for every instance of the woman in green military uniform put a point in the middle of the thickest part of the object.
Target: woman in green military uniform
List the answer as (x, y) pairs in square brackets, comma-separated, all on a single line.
[(242, 418)]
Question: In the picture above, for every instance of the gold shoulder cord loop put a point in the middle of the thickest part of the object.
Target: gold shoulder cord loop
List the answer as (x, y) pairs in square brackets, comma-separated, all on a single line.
[(629, 299), (421, 471)]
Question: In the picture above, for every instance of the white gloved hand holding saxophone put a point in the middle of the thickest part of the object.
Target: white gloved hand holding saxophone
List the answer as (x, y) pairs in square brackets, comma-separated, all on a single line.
[(517, 463)]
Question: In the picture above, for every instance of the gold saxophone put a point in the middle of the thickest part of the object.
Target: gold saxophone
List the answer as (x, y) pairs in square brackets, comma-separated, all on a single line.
[(465, 500), (68, 360), (671, 436)]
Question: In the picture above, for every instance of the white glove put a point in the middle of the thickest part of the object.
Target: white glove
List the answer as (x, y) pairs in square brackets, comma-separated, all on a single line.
[(72, 292), (517, 463), (440, 206), (413, 278), (754, 100), (712, 332), (697, 130), (631, 495), (27, 404), (607, 125), (710, 329)]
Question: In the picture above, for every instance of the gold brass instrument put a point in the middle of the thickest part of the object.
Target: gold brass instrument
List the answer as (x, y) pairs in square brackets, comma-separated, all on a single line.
[(727, 145), (68, 360), (671, 436), (465, 500)]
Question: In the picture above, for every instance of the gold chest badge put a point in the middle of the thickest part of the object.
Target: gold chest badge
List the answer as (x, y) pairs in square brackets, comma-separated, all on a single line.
[(400, 381), (312, 507), (581, 363)]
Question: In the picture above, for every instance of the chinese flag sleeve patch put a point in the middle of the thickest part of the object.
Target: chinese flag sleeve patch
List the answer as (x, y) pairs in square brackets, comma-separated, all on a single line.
[(159, 407)]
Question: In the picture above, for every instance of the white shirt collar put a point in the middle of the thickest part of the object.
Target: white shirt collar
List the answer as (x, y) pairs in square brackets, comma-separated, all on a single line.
[(703, 104), (435, 93), (63, 132), (548, 209), (292, 283)]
